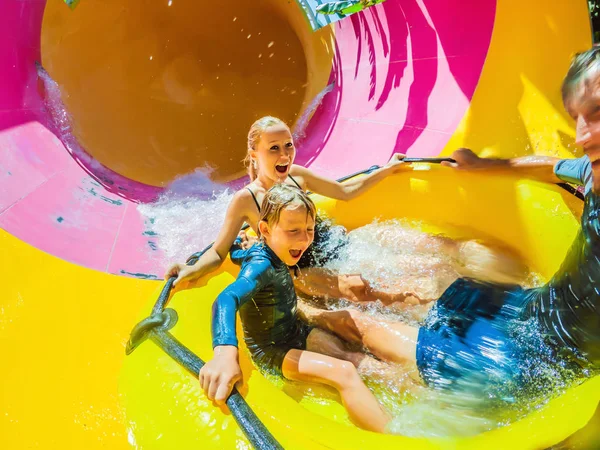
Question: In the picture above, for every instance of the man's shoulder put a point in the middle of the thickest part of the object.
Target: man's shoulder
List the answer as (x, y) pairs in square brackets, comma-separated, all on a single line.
[(575, 170)]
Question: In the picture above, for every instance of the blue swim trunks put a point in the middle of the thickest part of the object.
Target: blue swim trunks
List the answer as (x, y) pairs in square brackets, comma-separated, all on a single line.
[(467, 341)]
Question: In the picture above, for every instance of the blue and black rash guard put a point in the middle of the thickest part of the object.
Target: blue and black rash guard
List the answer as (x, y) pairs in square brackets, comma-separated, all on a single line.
[(568, 307), (264, 295), (468, 340)]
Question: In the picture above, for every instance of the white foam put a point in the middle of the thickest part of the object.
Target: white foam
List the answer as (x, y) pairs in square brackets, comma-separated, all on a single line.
[(185, 218)]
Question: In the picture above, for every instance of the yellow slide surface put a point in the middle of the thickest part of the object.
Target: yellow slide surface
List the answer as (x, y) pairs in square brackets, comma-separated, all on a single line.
[(66, 382)]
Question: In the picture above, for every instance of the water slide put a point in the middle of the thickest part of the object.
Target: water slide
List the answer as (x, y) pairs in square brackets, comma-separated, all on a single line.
[(101, 107)]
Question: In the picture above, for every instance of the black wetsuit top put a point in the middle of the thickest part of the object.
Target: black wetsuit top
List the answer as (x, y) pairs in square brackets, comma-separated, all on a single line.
[(264, 295), (468, 341), (568, 307)]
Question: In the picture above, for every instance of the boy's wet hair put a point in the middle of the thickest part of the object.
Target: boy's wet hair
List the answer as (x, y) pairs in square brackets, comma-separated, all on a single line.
[(283, 196), (584, 70)]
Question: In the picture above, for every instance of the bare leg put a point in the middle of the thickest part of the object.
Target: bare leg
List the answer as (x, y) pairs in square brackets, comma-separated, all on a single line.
[(398, 376), (318, 282), (362, 406), (389, 341), (320, 341)]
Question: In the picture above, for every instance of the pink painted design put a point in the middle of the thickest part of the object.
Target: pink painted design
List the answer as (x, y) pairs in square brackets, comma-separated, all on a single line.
[(404, 73), (417, 75)]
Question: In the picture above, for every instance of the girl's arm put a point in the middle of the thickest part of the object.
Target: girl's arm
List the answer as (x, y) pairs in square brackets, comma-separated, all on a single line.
[(214, 257), (352, 188)]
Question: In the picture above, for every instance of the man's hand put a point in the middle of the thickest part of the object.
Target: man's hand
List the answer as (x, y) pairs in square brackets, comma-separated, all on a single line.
[(219, 375), (466, 160)]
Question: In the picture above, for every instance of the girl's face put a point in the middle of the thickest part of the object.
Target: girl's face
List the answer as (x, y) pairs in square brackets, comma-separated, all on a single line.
[(291, 236), (275, 153)]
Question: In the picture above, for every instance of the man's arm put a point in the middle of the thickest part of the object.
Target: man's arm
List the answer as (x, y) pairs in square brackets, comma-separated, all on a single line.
[(538, 168)]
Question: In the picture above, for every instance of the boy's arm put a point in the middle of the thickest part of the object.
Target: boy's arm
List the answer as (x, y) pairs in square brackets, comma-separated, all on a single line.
[(250, 280), (218, 375)]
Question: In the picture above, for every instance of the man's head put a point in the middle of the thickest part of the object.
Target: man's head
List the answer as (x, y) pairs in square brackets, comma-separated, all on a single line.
[(581, 96)]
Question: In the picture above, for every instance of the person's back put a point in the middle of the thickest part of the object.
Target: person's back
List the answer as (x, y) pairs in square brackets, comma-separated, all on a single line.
[(568, 307)]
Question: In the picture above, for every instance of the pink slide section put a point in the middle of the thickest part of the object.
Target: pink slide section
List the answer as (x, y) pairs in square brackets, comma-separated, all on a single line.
[(403, 76)]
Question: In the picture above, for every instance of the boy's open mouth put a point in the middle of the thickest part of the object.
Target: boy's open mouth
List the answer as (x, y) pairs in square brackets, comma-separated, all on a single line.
[(296, 253), (282, 168)]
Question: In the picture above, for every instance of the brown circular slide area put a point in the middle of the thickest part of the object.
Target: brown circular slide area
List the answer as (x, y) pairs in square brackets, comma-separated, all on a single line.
[(158, 89)]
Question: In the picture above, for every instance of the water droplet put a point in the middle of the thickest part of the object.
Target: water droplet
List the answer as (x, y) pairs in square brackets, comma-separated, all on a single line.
[(249, 36), (271, 55), (271, 44), (234, 19), (170, 3)]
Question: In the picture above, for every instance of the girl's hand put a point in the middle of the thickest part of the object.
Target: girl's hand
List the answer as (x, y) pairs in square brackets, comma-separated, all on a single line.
[(183, 272), (219, 375), (395, 162)]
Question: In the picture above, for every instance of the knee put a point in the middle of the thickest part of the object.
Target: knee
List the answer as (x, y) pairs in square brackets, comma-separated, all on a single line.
[(359, 320), (354, 315), (345, 375)]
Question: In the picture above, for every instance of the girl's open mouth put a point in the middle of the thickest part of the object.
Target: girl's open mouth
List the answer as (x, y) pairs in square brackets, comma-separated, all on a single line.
[(296, 253), (282, 168)]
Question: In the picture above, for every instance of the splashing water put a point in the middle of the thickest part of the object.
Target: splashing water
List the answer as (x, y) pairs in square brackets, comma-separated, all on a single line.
[(185, 218), (398, 255), (300, 127)]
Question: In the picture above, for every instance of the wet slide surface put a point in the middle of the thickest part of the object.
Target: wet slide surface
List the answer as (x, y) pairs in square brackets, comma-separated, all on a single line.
[(418, 77)]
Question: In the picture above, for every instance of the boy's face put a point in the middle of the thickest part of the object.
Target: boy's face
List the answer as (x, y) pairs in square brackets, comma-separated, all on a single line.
[(291, 236)]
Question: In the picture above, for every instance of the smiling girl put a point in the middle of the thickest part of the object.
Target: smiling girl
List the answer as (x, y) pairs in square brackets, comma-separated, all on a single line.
[(270, 161)]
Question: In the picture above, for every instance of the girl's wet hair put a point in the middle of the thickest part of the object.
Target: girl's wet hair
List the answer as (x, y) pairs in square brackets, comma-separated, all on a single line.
[(256, 131), (584, 70), (283, 196)]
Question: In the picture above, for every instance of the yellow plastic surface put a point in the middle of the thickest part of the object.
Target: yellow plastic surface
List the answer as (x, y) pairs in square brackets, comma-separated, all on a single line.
[(517, 107), (165, 408), (63, 330), (63, 327)]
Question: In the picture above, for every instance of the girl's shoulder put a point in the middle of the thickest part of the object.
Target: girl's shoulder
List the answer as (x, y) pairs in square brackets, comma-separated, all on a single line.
[(298, 175), (243, 197), (298, 170)]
